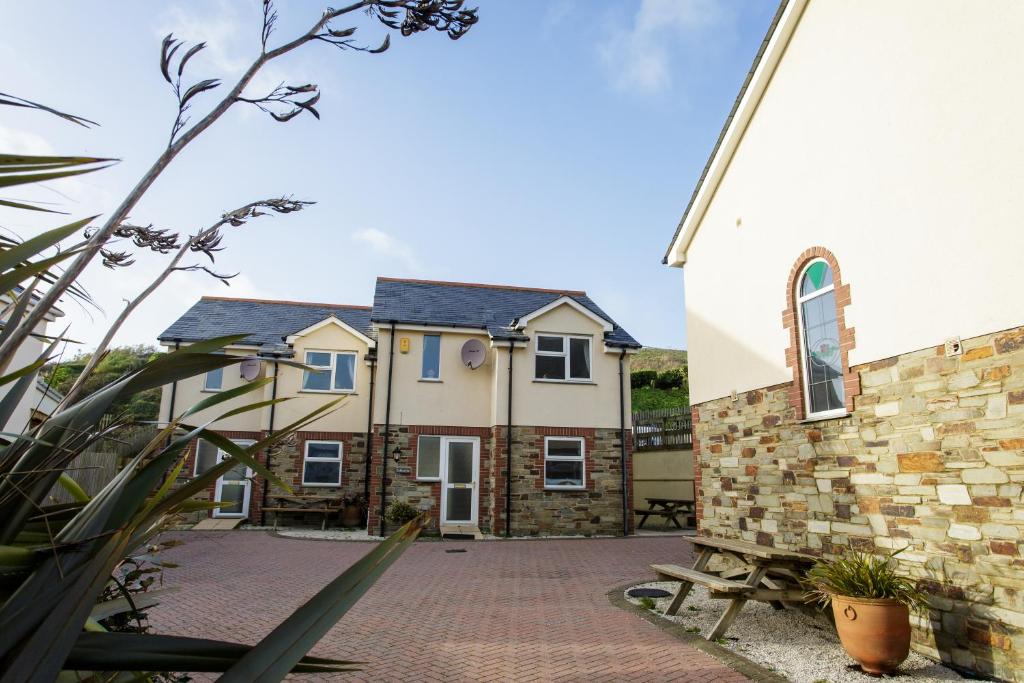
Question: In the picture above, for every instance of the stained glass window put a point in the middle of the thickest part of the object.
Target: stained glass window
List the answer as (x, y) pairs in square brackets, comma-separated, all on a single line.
[(823, 363)]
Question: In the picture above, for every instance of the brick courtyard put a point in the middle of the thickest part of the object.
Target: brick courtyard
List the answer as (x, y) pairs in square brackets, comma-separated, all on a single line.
[(519, 610)]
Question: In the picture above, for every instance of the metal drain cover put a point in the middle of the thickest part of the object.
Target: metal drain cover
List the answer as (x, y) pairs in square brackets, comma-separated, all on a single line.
[(462, 550), (648, 593)]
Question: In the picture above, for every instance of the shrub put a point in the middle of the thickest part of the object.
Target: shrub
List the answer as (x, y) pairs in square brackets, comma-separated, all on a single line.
[(401, 512), (863, 575), (670, 379), (640, 379)]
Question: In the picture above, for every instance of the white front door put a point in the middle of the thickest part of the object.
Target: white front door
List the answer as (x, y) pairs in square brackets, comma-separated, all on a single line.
[(234, 487), (460, 480)]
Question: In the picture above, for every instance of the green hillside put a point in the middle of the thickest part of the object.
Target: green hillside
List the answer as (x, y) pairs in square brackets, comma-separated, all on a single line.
[(659, 379)]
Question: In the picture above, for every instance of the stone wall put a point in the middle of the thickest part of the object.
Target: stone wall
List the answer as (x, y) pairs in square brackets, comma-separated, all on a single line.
[(931, 458), (535, 511)]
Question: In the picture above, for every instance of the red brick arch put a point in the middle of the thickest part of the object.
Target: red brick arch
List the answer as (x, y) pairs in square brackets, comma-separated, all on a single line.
[(851, 380)]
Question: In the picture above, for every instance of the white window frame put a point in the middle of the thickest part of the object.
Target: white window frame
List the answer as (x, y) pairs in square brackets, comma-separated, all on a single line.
[(305, 458), (423, 351), (802, 341), (206, 381), (440, 456), (195, 463), (333, 369), (559, 458), (564, 354)]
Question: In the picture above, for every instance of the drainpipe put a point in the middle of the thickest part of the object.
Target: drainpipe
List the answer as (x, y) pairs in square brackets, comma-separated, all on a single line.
[(387, 429), (369, 430), (270, 430), (622, 439), (174, 388), (508, 449)]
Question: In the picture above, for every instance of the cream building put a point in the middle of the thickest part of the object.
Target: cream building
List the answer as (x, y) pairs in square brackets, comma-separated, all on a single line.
[(851, 257), (430, 401)]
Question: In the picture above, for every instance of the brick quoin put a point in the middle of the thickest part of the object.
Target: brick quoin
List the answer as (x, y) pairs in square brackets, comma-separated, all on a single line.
[(851, 379)]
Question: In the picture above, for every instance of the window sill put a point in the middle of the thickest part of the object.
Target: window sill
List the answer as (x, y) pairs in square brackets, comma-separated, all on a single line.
[(320, 486), (584, 382), (328, 393), (427, 481), (825, 416), (565, 488), (429, 380), (204, 390)]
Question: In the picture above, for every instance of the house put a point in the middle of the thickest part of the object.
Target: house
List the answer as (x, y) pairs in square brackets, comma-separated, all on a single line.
[(40, 399), (852, 257), (437, 376)]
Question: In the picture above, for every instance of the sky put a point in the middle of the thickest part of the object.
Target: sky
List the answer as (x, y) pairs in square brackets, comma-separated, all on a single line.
[(555, 145)]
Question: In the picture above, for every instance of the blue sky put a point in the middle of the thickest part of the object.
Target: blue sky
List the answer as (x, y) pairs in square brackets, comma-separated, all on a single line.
[(555, 145)]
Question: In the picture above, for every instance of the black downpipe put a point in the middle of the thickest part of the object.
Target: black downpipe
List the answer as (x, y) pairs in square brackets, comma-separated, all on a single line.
[(270, 430), (508, 450), (387, 429), (369, 432), (622, 439), (174, 388)]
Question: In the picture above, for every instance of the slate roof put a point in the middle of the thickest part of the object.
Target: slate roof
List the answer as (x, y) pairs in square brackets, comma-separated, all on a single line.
[(268, 321), (490, 307)]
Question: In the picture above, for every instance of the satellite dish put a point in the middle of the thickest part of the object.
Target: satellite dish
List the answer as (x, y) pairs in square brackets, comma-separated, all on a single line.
[(473, 354), (250, 369)]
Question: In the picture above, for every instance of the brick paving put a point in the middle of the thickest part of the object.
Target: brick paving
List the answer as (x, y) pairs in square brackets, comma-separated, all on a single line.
[(531, 610)]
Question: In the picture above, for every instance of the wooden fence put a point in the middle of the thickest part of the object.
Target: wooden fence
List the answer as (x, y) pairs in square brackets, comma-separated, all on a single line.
[(95, 467), (662, 429)]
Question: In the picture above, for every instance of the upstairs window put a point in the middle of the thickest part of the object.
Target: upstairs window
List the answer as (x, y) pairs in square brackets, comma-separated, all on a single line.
[(214, 380), (431, 357), (819, 341), (563, 463), (322, 464), (562, 358), (332, 372)]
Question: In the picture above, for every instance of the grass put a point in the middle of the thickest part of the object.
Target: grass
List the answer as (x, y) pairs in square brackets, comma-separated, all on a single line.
[(658, 359), (647, 603), (650, 398)]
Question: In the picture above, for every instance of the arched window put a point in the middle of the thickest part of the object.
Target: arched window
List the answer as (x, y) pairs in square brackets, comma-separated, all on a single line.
[(821, 360)]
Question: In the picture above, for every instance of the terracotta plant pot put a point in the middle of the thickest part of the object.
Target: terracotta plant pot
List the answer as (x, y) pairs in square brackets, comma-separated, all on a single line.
[(352, 516), (875, 632)]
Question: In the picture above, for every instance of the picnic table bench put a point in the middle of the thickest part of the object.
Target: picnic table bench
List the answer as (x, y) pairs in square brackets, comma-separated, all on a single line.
[(766, 574), (669, 508), (301, 504)]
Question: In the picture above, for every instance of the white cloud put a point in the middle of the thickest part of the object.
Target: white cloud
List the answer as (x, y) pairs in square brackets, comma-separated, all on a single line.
[(228, 36), (385, 245), (639, 58)]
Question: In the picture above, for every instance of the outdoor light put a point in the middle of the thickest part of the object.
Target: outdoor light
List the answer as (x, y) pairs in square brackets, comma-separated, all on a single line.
[(397, 454)]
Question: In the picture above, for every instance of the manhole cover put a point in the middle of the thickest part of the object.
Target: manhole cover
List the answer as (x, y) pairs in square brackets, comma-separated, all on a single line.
[(648, 593), (460, 550)]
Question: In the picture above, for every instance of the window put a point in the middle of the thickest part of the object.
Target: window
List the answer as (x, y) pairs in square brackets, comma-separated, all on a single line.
[(333, 371), (431, 357), (563, 463), (562, 358), (428, 458), (214, 380), (819, 341), (322, 465), (206, 456)]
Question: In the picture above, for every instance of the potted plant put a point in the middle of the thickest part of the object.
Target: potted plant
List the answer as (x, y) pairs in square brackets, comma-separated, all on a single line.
[(871, 603), (353, 510), (400, 512)]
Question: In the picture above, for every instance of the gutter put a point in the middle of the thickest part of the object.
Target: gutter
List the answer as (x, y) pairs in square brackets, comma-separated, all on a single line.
[(508, 449), (270, 430), (622, 440), (387, 430), (369, 430), (174, 389)]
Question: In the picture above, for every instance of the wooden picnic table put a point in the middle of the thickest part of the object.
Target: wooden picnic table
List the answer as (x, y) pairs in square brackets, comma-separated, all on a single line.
[(766, 574), (322, 503), (669, 508)]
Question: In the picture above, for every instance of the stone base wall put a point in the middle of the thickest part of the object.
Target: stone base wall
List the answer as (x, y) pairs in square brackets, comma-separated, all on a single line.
[(930, 459), (535, 511)]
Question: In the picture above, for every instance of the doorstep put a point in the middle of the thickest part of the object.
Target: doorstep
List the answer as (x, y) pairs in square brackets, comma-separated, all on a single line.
[(471, 530)]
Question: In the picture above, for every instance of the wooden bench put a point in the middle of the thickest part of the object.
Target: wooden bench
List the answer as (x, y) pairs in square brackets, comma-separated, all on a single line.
[(669, 508), (769, 575), (324, 505)]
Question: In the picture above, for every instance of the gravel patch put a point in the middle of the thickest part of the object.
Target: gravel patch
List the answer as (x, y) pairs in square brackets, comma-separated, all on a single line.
[(799, 646), (317, 534)]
